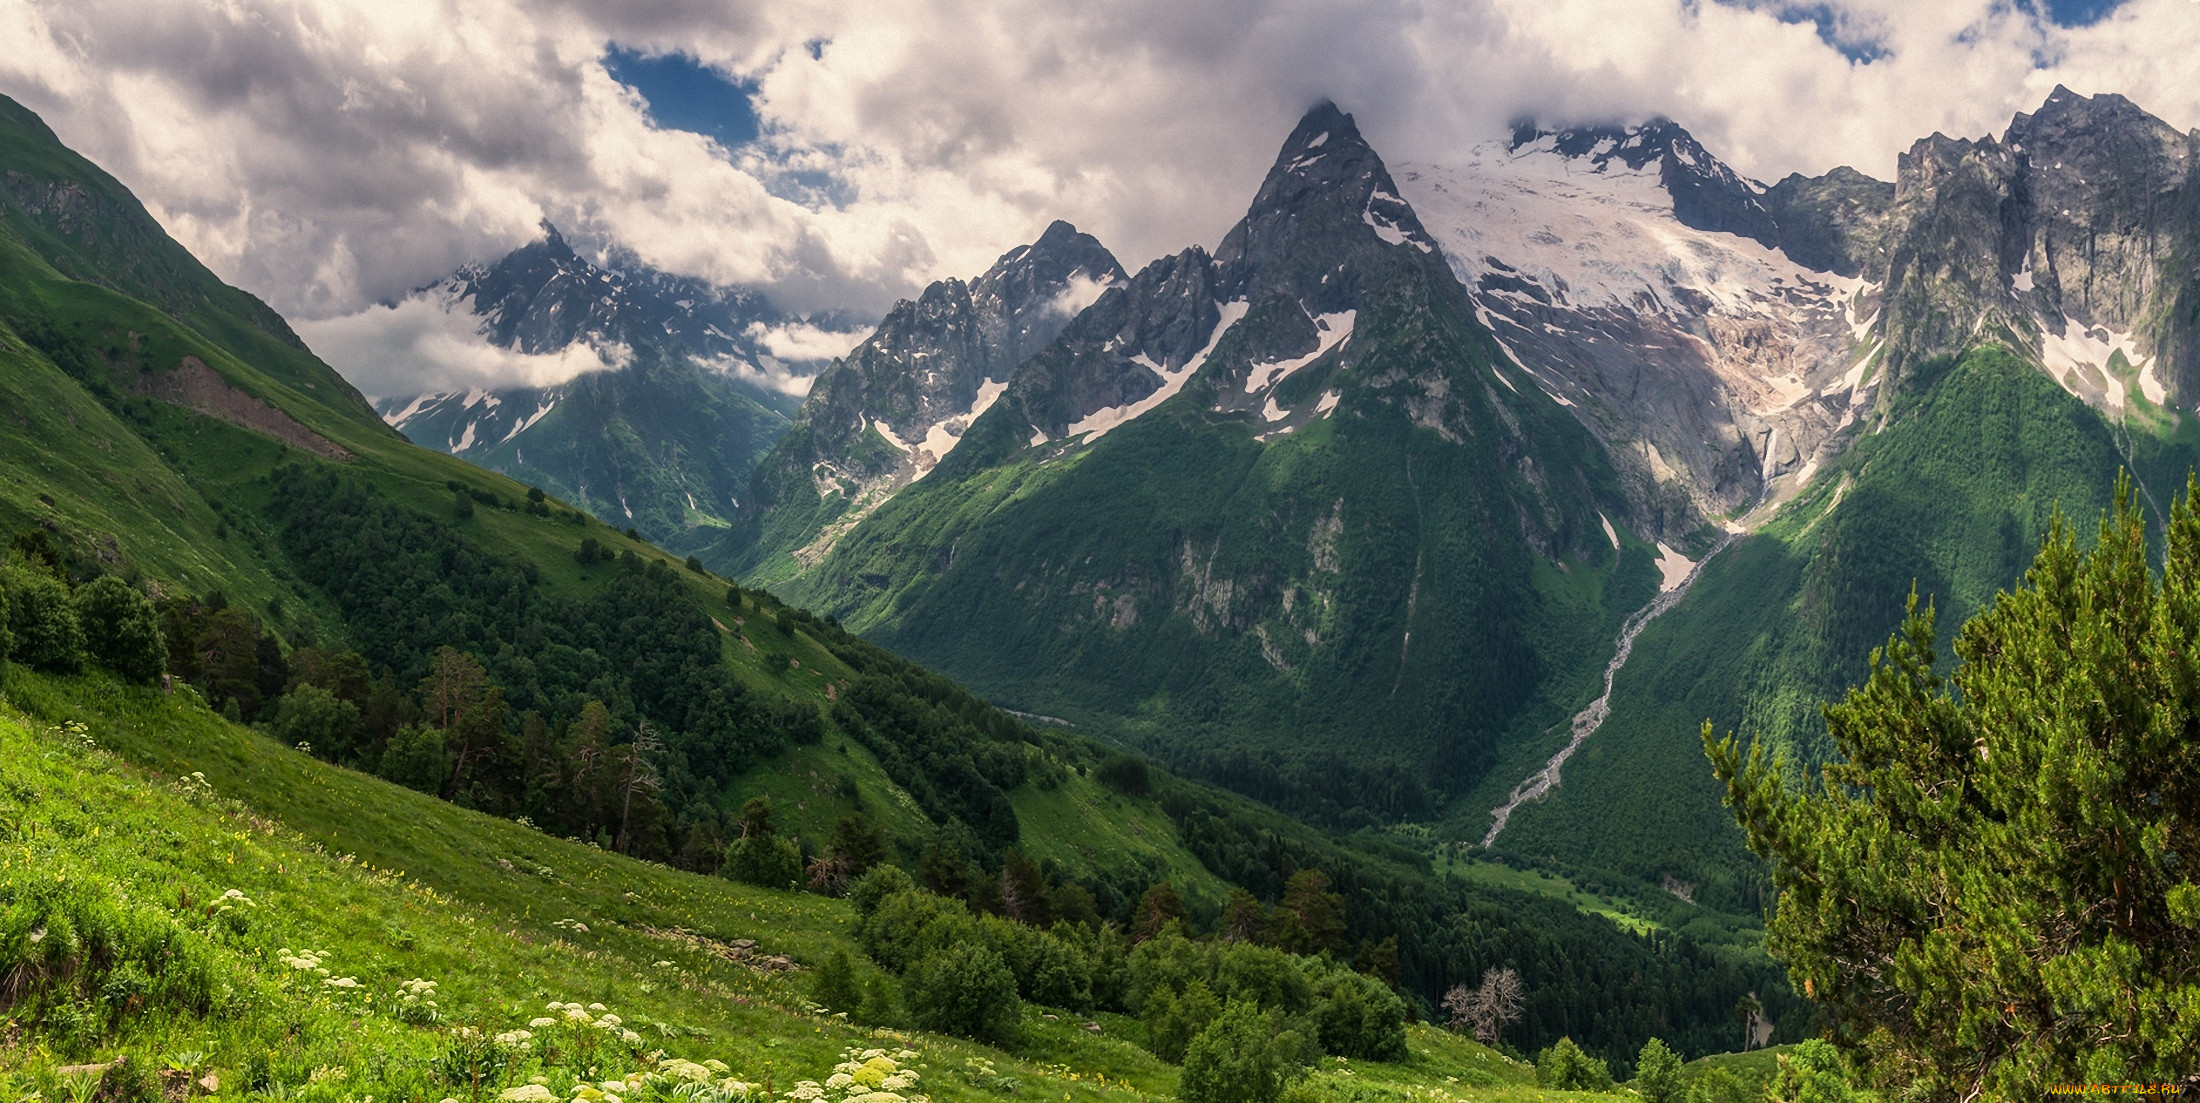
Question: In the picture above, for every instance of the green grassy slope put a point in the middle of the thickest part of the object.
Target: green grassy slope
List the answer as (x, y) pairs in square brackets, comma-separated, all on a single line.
[(164, 492), (98, 308), (97, 791), (393, 885)]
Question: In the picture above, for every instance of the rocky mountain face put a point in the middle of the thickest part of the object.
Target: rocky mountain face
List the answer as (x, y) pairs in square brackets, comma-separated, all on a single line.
[(885, 415), (2072, 237), (663, 441), (1722, 336), (1283, 513), (2021, 327)]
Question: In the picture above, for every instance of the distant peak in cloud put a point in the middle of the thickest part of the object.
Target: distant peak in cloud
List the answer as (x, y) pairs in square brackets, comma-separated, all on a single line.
[(422, 345)]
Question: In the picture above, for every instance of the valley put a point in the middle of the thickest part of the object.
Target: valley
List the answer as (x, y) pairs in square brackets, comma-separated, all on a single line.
[(370, 656), (1370, 658)]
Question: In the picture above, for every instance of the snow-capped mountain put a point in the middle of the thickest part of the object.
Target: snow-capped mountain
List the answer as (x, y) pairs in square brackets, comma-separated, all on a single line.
[(1629, 272), (664, 438), (1275, 511)]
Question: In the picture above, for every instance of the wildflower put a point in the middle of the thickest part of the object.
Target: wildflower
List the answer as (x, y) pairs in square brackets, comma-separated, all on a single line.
[(525, 1093), (684, 1070), (342, 982), (541, 1021), (515, 1039), (630, 1038)]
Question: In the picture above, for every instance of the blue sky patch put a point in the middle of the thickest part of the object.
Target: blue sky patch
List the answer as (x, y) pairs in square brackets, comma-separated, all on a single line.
[(2079, 13), (684, 94)]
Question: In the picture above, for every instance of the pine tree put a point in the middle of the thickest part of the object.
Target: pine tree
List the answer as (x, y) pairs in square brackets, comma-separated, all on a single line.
[(1991, 887)]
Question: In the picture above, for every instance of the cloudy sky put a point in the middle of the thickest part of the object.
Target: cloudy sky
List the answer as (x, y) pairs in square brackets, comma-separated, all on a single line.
[(329, 155)]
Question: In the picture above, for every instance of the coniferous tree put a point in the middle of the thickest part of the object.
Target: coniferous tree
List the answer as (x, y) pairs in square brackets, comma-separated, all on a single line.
[(1314, 915), (1991, 886), (835, 987), (1156, 909), (467, 708)]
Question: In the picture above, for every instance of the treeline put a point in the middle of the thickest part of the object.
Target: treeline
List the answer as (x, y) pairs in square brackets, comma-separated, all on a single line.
[(1611, 989)]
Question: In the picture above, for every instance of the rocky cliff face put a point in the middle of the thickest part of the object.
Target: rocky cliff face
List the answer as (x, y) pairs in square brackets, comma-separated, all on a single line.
[(892, 409), (1723, 336), (2071, 237)]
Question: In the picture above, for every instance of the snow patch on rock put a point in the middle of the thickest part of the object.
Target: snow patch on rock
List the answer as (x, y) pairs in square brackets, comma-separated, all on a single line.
[(1332, 331), (1673, 568), (1099, 422)]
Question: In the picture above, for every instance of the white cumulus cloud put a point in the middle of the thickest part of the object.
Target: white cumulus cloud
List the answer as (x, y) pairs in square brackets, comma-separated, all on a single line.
[(417, 347), (331, 154)]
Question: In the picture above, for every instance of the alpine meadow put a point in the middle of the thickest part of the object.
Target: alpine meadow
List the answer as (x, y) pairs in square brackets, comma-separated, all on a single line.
[(741, 553)]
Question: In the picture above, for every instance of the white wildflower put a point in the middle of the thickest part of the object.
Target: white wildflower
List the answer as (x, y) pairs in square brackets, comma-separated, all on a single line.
[(526, 1093)]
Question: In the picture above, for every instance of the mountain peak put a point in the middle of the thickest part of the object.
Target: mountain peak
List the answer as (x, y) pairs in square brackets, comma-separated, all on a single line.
[(554, 242), (1058, 233), (1321, 124), (1327, 198), (2072, 117)]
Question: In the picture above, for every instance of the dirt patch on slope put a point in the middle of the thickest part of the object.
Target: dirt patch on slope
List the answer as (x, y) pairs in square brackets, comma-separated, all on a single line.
[(201, 388)]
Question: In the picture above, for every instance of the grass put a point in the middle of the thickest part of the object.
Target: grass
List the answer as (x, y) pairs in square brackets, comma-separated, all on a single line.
[(1090, 829), (390, 885), (164, 807), (1499, 875)]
